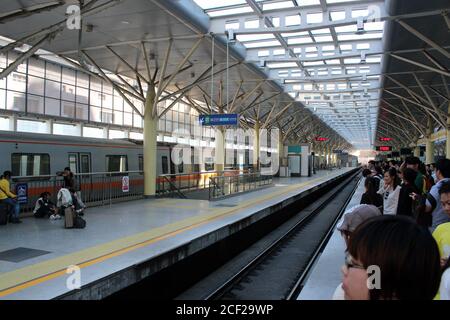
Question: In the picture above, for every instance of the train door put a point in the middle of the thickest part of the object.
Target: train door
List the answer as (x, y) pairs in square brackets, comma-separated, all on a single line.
[(80, 164)]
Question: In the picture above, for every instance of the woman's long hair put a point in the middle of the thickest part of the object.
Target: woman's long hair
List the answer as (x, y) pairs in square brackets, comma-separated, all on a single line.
[(371, 190)]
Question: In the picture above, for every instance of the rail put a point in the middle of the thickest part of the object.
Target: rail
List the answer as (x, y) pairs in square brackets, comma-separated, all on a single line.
[(97, 188), (223, 186)]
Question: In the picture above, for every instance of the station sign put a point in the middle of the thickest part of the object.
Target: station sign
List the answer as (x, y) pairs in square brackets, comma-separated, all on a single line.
[(321, 139), (222, 119), (384, 148), (385, 139), (337, 151)]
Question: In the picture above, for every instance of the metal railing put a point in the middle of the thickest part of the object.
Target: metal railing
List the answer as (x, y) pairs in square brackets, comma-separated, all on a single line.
[(177, 185), (98, 188), (222, 186)]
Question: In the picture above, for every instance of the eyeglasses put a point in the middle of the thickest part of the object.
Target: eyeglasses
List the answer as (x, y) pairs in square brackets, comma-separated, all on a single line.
[(349, 263)]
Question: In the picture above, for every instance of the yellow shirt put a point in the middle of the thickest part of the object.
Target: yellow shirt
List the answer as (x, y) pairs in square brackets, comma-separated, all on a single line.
[(5, 190), (442, 236)]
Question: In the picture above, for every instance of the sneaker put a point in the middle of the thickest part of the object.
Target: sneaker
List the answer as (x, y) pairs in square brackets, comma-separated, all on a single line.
[(53, 217), (57, 217)]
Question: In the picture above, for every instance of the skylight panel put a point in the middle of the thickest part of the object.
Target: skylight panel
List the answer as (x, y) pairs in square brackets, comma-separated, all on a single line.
[(212, 4), (226, 12), (363, 46), (294, 34), (314, 18), (328, 38), (348, 28), (261, 44), (360, 13), (332, 61), (321, 31), (337, 15), (313, 63), (366, 36), (374, 26), (292, 20), (277, 5), (302, 3), (281, 65), (254, 37), (301, 40), (251, 24)]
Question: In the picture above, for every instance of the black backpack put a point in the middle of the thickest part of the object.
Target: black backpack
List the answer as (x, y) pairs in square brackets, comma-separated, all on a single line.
[(79, 222)]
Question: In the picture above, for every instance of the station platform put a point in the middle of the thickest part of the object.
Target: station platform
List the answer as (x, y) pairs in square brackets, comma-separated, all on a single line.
[(35, 255), (326, 274)]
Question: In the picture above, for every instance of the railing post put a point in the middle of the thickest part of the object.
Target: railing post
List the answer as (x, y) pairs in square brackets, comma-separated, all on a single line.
[(110, 189)]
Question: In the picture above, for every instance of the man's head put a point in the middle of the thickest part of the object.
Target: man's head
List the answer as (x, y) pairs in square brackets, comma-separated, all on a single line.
[(412, 163), (443, 169), (366, 173), (7, 175), (444, 194), (392, 163)]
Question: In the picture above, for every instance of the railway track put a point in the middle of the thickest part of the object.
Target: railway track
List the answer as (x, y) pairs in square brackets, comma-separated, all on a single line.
[(278, 270)]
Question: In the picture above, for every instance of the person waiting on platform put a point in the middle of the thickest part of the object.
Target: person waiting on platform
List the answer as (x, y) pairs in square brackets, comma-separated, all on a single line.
[(406, 203), (391, 258), (45, 208), (370, 196), (77, 205), (390, 191), (442, 237), (69, 181), (9, 198), (350, 221)]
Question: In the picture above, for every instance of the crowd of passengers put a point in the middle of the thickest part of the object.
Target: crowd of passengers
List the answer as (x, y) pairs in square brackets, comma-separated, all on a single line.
[(398, 238), (68, 196)]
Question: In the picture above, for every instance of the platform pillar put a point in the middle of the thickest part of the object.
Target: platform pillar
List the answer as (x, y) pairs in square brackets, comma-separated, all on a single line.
[(429, 149), (150, 143), (447, 142), (219, 158), (256, 145), (280, 149)]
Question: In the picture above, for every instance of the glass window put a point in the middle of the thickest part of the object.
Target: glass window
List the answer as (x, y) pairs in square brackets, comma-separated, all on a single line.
[(12, 56), (136, 135), (67, 109), (82, 95), (17, 82), (116, 163), (161, 125), (36, 67), (95, 114), (31, 126), (137, 121), (68, 76), (35, 104), (107, 88), (128, 119), (141, 162), (52, 89), (92, 132), (15, 101), (2, 60), (107, 101), (82, 111), (95, 98), (4, 123), (116, 134), (73, 162), (165, 164), (30, 164), (2, 99), (82, 80), (118, 117), (68, 92), (107, 116), (66, 129), (52, 106), (53, 72), (96, 84), (35, 85), (2, 83), (118, 103)]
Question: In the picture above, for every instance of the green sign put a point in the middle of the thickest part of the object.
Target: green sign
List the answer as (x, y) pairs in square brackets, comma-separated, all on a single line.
[(294, 149)]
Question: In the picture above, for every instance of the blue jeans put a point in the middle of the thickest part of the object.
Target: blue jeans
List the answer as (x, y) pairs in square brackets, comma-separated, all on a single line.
[(14, 207)]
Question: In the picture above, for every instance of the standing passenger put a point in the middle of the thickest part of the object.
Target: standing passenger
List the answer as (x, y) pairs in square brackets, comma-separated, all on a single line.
[(400, 257), (371, 196), (406, 203), (390, 191), (6, 196)]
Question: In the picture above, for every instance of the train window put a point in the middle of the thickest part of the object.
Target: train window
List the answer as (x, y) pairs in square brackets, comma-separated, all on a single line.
[(73, 163), (141, 162), (116, 163), (30, 164), (165, 164), (181, 168)]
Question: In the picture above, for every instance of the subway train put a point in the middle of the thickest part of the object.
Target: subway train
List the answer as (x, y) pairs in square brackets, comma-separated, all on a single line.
[(36, 158)]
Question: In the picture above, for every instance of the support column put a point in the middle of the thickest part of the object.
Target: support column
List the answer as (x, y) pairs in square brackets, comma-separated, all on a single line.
[(280, 150), (256, 146), (150, 143), (429, 155), (219, 158), (447, 143)]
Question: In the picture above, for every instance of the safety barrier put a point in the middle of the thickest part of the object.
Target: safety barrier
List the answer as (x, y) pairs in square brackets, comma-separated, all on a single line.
[(99, 188), (223, 186)]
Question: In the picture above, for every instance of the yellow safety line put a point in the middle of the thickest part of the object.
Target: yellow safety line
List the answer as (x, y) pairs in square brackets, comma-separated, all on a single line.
[(53, 268)]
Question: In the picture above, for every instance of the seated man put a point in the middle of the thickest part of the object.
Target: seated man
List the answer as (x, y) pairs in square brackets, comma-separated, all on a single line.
[(45, 208), (9, 198)]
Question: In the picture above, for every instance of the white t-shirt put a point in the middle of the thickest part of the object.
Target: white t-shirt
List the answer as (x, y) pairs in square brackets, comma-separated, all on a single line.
[(390, 199), (444, 289), (339, 293)]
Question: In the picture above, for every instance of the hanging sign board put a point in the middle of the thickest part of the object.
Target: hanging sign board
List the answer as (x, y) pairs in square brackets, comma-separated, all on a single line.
[(385, 139), (22, 192), (125, 184), (384, 148), (337, 151), (321, 139), (223, 119)]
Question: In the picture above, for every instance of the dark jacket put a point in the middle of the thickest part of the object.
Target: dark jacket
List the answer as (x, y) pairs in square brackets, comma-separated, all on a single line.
[(406, 205)]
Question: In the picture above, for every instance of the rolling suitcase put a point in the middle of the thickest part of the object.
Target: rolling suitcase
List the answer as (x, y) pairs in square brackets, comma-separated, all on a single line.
[(68, 217)]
